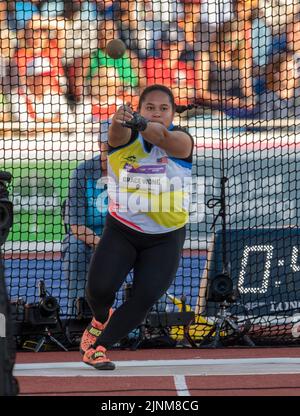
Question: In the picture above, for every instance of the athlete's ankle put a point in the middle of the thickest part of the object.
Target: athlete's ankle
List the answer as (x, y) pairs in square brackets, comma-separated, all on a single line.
[(103, 320), (98, 343)]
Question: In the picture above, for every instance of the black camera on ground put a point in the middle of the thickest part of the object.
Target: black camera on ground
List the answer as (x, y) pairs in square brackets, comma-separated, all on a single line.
[(45, 312), (6, 207), (220, 289)]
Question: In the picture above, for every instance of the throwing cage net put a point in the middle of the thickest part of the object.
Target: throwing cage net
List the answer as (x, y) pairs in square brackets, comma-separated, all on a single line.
[(233, 69)]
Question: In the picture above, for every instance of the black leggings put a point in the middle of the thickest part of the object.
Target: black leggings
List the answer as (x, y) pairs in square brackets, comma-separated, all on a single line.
[(154, 259)]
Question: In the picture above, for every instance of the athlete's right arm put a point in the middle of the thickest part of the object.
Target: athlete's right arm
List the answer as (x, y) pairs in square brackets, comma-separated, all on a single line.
[(118, 135), (85, 234)]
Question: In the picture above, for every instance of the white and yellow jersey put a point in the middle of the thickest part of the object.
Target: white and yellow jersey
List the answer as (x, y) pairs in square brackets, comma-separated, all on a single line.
[(148, 190)]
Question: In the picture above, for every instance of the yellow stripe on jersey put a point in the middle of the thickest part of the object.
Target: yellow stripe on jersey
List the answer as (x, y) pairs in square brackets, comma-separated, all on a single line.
[(131, 154)]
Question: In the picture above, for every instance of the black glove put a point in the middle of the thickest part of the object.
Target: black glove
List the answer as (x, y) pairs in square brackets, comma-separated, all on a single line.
[(138, 122)]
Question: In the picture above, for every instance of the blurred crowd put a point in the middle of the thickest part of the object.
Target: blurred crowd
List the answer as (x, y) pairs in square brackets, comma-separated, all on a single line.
[(238, 56)]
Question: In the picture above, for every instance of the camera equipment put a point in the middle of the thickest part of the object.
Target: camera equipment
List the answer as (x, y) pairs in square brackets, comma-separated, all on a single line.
[(6, 207), (220, 289), (157, 323), (138, 122), (8, 383), (45, 313)]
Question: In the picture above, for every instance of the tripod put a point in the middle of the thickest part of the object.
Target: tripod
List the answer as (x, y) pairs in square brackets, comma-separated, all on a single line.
[(223, 321), (161, 322), (46, 338), (44, 314)]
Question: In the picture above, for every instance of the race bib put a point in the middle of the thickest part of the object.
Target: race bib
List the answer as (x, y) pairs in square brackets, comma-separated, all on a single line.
[(148, 178)]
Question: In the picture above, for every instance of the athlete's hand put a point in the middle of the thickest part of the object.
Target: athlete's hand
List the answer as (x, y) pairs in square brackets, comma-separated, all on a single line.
[(123, 114)]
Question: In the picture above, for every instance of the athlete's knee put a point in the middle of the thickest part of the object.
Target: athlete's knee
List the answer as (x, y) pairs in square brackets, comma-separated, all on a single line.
[(100, 291)]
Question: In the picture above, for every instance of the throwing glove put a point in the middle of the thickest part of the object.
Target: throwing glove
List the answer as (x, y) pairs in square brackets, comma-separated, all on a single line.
[(138, 122)]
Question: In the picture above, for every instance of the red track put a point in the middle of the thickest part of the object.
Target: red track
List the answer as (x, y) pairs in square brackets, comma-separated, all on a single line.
[(225, 385)]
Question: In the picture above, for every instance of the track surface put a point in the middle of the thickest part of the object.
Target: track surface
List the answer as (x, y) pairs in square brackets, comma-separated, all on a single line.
[(167, 372)]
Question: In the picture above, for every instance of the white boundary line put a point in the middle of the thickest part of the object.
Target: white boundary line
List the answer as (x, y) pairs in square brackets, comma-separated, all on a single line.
[(169, 368), (181, 387), (167, 363)]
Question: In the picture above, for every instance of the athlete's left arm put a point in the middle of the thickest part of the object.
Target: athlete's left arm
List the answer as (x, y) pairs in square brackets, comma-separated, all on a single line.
[(176, 143)]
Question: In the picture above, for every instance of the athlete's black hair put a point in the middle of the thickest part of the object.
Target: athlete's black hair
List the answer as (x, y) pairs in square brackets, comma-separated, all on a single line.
[(157, 87)]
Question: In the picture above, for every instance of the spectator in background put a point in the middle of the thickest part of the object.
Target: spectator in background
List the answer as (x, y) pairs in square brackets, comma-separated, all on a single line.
[(112, 81), (277, 16), (215, 13), (55, 8), (8, 43), (139, 26), (7, 46), (40, 95), (85, 213), (3, 14), (104, 99), (21, 12), (168, 70), (127, 69), (81, 41), (167, 12), (107, 94), (212, 15), (126, 19), (223, 62), (189, 21), (261, 38), (78, 26), (282, 96), (293, 41), (52, 8), (105, 9)]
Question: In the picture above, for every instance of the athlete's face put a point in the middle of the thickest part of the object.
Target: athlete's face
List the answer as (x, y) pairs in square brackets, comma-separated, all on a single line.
[(157, 107)]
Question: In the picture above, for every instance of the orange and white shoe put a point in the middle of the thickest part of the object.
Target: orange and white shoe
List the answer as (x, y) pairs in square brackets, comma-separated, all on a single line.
[(92, 332), (97, 359)]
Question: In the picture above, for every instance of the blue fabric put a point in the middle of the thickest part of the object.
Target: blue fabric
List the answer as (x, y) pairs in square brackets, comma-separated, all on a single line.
[(181, 162), (279, 44), (76, 257), (87, 202), (24, 11), (109, 11)]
